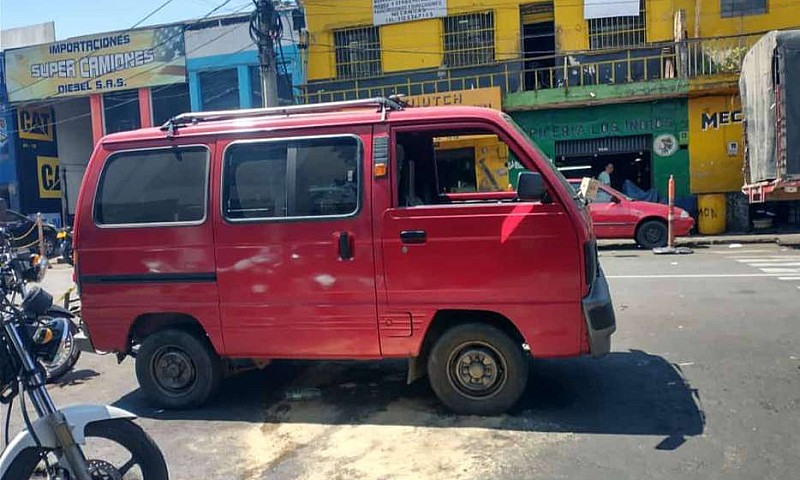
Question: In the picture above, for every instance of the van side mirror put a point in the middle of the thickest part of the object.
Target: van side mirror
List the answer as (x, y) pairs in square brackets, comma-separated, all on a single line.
[(530, 187), (615, 199), (3, 208)]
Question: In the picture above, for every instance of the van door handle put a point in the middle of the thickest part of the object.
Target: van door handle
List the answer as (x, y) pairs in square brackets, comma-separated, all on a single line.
[(345, 246), (413, 236)]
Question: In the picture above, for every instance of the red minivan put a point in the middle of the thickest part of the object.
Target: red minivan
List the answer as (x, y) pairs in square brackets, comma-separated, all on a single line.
[(335, 231)]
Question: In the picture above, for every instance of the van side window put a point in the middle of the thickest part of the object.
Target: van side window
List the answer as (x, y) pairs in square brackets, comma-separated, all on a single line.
[(315, 177), (435, 163), (153, 186)]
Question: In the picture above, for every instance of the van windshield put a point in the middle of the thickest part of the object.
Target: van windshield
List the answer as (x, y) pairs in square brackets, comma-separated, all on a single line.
[(549, 163)]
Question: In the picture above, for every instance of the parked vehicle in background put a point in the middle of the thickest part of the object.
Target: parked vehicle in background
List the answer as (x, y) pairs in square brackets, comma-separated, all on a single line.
[(335, 231), (25, 234), (618, 216), (770, 89)]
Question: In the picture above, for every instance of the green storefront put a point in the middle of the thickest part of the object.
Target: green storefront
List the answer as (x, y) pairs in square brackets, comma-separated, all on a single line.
[(647, 142)]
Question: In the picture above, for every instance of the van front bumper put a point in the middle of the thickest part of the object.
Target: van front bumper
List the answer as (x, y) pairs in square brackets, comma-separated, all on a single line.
[(599, 314)]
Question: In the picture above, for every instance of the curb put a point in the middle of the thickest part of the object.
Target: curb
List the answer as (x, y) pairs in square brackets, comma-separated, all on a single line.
[(790, 240)]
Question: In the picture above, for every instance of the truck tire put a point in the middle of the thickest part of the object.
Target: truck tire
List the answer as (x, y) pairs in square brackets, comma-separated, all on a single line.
[(177, 369), (477, 369), (652, 234)]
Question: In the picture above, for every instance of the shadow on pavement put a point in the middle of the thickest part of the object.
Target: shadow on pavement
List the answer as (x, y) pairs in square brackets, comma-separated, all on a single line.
[(75, 377), (628, 393)]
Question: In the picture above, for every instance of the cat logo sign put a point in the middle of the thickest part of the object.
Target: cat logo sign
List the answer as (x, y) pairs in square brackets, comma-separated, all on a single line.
[(36, 124), (49, 175)]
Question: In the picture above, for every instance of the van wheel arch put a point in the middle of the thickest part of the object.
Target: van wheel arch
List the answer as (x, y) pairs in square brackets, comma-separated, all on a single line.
[(149, 323), (444, 320)]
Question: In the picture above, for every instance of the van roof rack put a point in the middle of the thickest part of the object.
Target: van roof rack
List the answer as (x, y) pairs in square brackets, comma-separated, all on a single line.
[(383, 104)]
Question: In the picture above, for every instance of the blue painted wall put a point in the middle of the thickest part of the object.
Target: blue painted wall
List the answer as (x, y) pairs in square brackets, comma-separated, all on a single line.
[(8, 136), (290, 61)]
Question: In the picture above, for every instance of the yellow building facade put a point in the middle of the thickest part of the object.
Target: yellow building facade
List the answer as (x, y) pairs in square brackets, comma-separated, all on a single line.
[(547, 55)]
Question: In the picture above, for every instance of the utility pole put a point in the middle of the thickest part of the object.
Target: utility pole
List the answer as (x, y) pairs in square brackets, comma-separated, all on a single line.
[(263, 30)]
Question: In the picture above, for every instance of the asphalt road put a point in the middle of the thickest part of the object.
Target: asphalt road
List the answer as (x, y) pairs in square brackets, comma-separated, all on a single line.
[(704, 382)]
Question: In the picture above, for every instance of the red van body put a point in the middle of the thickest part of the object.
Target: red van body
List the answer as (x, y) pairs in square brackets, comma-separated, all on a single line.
[(504, 276)]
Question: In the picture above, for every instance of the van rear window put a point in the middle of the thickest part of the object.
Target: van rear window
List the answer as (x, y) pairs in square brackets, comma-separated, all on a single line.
[(153, 187), (314, 177)]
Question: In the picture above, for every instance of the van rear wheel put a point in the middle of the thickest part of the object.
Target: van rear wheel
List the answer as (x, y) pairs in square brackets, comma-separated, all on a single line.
[(177, 369), (477, 369)]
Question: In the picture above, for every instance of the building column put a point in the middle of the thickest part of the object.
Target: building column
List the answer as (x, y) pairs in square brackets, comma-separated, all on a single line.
[(245, 87), (195, 95), (98, 123), (145, 108)]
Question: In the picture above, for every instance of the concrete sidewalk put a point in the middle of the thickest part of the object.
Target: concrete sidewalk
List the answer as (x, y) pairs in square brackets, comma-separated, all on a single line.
[(787, 239)]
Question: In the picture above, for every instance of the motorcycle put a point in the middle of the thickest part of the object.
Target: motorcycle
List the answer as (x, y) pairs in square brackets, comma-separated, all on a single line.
[(18, 268), (64, 245), (54, 446)]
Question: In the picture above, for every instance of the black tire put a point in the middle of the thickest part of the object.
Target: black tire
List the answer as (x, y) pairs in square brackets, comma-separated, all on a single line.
[(124, 432), (177, 369), (53, 374), (652, 234), (498, 359)]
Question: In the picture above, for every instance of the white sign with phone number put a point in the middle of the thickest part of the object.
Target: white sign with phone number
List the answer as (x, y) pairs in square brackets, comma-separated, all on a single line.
[(397, 11)]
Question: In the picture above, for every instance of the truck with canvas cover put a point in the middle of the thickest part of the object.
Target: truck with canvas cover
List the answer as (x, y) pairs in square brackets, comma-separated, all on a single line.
[(770, 91)]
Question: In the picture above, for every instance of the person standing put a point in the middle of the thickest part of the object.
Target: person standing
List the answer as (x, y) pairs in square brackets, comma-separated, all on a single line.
[(605, 175)]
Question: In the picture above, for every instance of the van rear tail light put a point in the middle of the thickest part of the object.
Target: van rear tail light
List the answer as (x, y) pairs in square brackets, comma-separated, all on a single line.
[(592, 262)]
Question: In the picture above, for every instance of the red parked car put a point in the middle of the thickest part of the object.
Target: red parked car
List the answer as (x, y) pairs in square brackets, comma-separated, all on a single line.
[(616, 215), (227, 239)]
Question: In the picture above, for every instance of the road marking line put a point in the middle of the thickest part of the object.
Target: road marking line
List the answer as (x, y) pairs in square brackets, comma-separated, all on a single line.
[(780, 270), (767, 259), (700, 275), (788, 278), (778, 264), (738, 252)]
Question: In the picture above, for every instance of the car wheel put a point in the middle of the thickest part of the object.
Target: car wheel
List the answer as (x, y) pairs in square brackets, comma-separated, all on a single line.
[(177, 369), (652, 234), (477, 369)]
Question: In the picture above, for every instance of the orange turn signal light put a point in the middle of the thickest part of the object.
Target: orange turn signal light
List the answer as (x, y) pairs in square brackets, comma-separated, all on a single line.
[(380, 170)]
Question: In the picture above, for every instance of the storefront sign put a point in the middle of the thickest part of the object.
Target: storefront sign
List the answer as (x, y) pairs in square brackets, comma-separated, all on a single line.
[(48, 174), (628, 126), (37, 161), (665, 145), (490, 97), (720, 119), (397, 11), (96, 64)]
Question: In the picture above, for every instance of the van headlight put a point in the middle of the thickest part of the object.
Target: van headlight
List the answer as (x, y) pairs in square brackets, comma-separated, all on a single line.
[(684, 214)]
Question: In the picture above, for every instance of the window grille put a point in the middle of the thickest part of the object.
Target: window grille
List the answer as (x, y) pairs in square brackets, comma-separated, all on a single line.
[(616, 32), (358, 52), (468, 39)]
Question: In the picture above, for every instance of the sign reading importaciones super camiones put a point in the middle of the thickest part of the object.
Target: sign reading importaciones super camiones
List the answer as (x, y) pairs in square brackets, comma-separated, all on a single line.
[(96, 64)]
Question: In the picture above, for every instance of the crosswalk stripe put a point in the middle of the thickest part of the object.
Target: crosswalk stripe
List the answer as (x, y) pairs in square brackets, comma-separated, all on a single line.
[(788, 278), (780, 270)]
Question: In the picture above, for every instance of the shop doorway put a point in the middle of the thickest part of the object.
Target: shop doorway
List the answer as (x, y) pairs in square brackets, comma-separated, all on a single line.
[(631, 157), (538, 44)]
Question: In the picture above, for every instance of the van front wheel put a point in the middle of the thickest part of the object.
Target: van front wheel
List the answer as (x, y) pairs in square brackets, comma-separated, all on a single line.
[(177, 369), (477, 369)]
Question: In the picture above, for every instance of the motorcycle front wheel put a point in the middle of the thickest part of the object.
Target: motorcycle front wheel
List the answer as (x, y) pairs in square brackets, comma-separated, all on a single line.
[(66, 358), (116, 449)]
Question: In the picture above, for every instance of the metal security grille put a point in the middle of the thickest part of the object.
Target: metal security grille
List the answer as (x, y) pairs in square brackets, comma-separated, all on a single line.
[(358, 52), (738, 8), (468, 39), (601, 146), (615, 32)]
